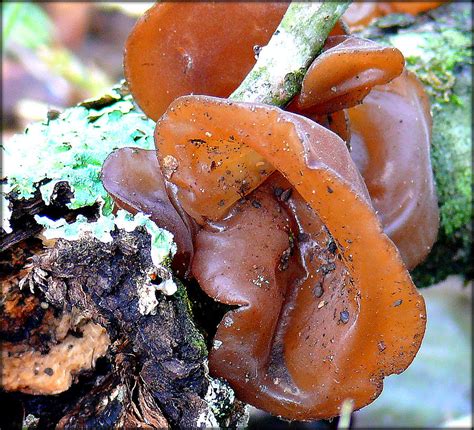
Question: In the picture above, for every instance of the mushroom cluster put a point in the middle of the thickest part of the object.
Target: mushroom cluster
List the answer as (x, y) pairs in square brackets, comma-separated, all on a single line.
[(282, 213)]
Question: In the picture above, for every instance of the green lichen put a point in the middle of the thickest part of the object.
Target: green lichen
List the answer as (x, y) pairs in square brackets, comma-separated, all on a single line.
[(162, 245), (310, 31), (72, 148), (292, 83)]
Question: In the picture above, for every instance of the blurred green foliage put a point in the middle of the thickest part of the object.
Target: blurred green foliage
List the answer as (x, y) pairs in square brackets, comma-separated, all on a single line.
[(29, 38), (26, 24)]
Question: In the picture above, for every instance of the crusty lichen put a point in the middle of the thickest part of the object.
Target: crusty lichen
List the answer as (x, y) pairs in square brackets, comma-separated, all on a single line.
[(72, 148), (162, 245), (221, 402)]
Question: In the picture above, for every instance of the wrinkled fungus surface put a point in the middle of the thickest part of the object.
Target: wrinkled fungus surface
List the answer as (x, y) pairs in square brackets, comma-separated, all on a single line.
[(390, 142), (273, 214), (303, 255)]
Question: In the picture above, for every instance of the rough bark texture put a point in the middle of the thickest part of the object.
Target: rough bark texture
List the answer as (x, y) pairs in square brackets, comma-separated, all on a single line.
[(158, 362), (276, 77)]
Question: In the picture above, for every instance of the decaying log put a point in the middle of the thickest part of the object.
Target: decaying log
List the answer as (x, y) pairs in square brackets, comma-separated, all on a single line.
[(158, 361)]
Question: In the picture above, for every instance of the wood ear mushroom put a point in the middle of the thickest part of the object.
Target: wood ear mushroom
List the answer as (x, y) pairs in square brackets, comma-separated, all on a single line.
[(285, 346), (271, 211)]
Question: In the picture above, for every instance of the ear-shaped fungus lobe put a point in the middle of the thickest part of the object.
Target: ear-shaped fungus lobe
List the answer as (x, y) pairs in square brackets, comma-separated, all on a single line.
[(360, 14), (291, 349), (183, 48), (390, 143), (344, 74), (133, 178)]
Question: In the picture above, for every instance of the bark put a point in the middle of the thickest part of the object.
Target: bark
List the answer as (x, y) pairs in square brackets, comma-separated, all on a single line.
[(276, 77)]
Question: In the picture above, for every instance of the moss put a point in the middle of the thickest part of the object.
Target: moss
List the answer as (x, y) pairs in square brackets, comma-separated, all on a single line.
[(438, 55), (442, 59), (193, 336), (451, 159)]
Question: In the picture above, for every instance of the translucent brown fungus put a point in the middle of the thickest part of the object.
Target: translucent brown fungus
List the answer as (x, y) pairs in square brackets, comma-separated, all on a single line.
[(287, 229), (133, 178), (344, 73), (360, 14), (363, 66), (390, 142), (173, 49), (327, 308), (337, 122)]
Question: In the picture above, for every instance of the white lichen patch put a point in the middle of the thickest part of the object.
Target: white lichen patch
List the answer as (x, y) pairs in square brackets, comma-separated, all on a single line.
[(167, 287), (276, 65), (162, 245), (207, 420), (147, 301), (61, 229), (6, 214), (220, 399)]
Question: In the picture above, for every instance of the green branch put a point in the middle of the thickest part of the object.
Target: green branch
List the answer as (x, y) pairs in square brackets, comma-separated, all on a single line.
[(276, 77)]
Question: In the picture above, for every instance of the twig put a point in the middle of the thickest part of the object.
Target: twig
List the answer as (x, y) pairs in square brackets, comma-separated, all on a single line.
[(276, 77)]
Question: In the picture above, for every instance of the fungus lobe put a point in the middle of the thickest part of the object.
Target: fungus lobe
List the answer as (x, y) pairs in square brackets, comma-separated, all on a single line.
[(391, 134), (133, 178), (312, 271), (287, 228), (173, 49), (345, 72)]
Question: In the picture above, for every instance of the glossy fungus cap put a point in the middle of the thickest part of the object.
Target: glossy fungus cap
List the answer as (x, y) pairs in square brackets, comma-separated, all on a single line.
[(391, 134), (290, 348)]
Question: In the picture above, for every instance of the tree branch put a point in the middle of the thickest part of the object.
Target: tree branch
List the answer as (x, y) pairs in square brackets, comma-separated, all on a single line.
[(276, 77)]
